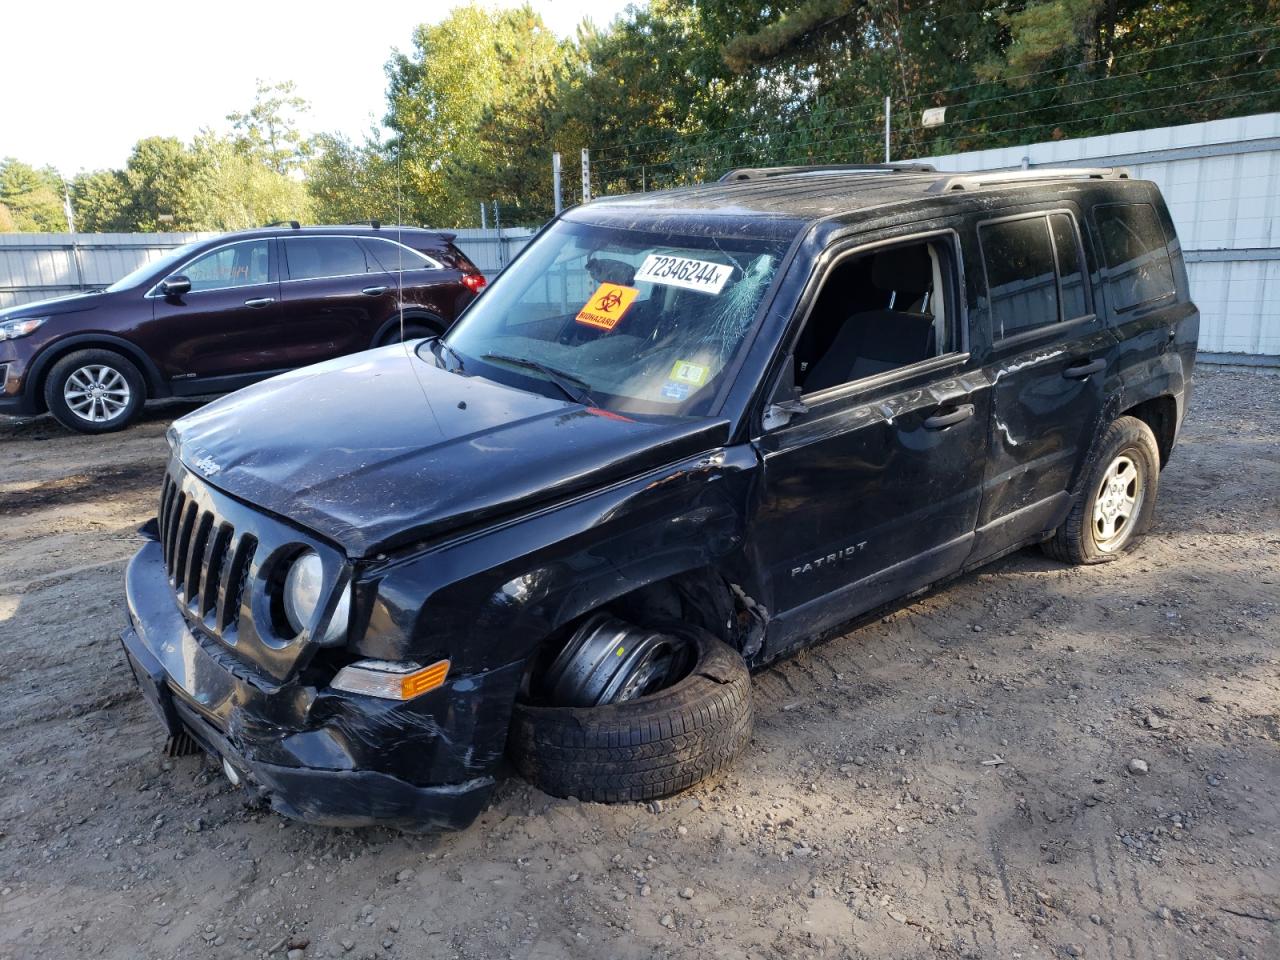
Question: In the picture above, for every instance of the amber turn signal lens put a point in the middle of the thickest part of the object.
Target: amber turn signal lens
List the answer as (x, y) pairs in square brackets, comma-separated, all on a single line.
[(390, 680), (428, 678)]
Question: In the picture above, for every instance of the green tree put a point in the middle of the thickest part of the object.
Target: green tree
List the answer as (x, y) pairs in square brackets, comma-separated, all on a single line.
[(447, 95), (101, 199), (32, 198), (350, 182), (268, 131)]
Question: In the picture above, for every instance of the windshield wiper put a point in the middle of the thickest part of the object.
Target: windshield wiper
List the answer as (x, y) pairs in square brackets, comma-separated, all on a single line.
[(438, 342), (575, 388)]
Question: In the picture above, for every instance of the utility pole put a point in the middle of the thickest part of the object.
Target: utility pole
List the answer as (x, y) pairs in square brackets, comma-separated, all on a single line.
[(555, 182), (586, 175), (484, 220)]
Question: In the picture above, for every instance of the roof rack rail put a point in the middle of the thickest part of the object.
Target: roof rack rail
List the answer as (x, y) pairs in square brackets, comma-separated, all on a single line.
[(284, 223), (983, 178), (763, 173)]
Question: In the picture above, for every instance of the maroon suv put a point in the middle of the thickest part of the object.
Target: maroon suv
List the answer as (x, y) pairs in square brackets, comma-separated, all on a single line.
[(216, 315)]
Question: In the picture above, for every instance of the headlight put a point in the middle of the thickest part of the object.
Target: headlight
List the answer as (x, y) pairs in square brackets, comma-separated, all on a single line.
[(390, 680), (303, 591), (13, 329)]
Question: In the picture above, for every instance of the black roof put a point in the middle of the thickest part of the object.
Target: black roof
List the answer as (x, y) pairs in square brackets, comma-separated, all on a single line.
[(815, 193)]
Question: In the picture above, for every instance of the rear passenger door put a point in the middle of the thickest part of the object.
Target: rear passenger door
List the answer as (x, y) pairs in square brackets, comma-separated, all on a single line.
[(335, 295), (1048, 365)]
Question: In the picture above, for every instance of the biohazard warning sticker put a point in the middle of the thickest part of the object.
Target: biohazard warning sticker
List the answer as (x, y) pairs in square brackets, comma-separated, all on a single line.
[(607, 305)]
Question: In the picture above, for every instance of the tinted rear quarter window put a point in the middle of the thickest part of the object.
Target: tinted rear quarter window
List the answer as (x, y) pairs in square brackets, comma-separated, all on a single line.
[(1137, 268), (394, 256), (1021, 284)]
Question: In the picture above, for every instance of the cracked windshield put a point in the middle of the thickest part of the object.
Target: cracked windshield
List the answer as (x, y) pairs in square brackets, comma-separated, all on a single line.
[(620, 319)]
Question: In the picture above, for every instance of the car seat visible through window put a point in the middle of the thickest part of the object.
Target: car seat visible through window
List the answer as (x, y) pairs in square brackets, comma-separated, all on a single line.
[(894, 324)]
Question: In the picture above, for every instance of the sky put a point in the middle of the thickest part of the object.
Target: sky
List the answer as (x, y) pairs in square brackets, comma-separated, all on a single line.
[(83, 80)]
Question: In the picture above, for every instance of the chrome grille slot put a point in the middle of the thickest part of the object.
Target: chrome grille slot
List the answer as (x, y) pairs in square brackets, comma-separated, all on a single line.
[(215, 567), (196, 558), (182, 544), (236, 576)]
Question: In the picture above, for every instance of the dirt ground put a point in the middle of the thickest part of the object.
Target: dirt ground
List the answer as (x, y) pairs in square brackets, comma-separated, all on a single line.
[(950, 781)]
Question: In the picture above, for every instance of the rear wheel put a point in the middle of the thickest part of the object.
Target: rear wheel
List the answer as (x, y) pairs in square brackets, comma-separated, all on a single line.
[(653, 711), (95, 391), (413, 330), (1117, 499)]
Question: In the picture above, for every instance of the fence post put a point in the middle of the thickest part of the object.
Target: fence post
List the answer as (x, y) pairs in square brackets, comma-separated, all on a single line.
[(586, 175), (887, 107), (484, 220), (555, 182)]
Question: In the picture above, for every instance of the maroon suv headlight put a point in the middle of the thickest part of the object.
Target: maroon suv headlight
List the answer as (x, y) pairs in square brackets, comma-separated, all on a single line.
[(13, 329)]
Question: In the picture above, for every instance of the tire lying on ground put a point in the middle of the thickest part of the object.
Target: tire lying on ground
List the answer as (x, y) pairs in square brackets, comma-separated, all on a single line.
[(646, 748)]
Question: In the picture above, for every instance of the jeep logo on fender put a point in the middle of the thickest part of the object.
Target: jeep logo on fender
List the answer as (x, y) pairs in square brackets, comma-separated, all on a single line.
[(829, 559)]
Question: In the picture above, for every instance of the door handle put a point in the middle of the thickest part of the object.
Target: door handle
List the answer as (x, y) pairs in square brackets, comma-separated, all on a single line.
[(940, 421), (374, 291), (260, 302), (1085, 369)]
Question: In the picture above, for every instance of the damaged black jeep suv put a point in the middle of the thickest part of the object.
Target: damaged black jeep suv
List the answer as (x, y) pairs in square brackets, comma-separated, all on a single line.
[(682, 435)]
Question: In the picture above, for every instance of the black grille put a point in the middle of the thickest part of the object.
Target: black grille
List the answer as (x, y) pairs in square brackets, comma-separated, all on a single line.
[(207, 562)]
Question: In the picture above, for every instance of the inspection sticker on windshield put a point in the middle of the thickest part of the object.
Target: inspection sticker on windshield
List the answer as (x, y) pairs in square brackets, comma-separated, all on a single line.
[(685, 372), (701, 275), (607, 305)]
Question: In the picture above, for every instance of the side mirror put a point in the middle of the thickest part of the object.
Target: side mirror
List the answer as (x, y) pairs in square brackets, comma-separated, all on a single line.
[(780, 414), (175, 286), (786, 403)]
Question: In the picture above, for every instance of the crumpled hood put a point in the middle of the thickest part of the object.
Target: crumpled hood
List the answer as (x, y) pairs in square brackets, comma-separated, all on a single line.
[(54, 306), (382, 448)]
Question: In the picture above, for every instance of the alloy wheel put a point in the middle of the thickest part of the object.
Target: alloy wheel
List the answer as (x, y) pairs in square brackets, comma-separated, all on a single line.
[(97, 393)]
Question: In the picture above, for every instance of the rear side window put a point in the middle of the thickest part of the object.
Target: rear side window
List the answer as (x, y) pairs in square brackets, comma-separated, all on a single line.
[(1133, 249), (1022, 286), (311, 258), (1035, 272)]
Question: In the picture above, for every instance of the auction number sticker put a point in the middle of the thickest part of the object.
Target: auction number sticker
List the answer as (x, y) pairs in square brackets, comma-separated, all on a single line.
[(607, 305), (701, 275)]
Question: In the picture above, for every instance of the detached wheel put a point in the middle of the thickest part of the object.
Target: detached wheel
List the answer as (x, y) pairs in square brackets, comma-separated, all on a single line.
[(677, 712), (1117, 500), (94, 391)]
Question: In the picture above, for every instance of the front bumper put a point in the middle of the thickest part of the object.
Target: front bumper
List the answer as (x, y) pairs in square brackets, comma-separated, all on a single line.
[(324, 757), (15, 398)]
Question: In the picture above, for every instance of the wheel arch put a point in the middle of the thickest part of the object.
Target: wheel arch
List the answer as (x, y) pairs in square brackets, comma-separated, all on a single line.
[(425, 317), (44, 362), (1161, 415)]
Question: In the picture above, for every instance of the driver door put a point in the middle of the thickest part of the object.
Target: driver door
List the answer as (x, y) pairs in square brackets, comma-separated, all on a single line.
[(228, 325), (872, 483)]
